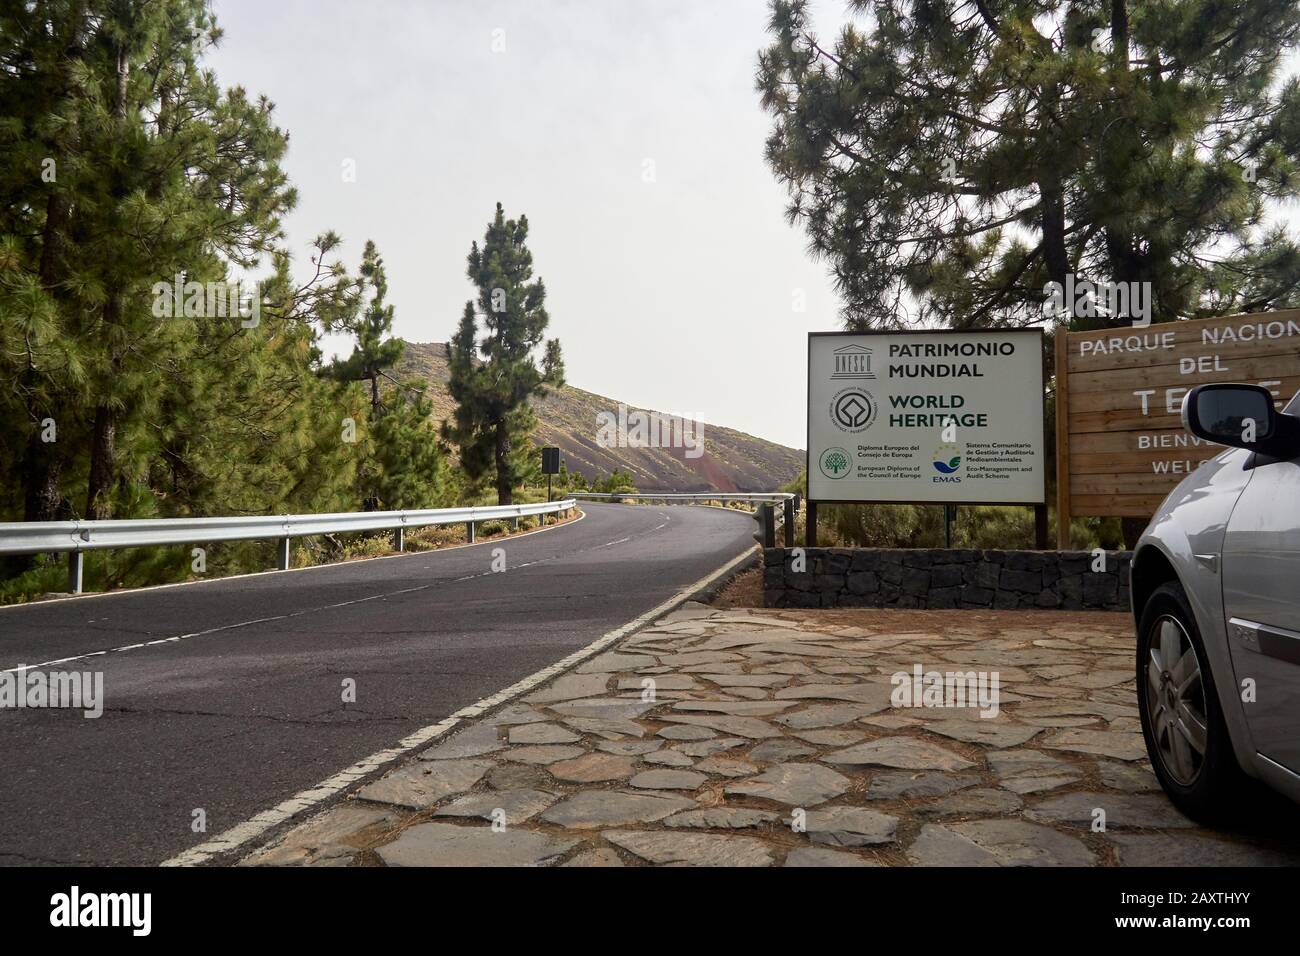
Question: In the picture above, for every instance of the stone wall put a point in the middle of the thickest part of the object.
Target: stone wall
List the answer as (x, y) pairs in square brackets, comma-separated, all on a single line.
[(943, 578)]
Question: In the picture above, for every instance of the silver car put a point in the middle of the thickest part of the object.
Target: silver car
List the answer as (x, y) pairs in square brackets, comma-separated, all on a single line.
[(1216, 597)]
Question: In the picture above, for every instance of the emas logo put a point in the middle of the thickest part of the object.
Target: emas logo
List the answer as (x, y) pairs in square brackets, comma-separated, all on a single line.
[(947, 462)]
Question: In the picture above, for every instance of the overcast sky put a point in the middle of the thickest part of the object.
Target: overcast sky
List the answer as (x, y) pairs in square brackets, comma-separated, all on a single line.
[(676, 294)]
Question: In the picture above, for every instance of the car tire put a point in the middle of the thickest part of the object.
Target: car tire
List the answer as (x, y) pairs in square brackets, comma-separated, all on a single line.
[(1205, 786)]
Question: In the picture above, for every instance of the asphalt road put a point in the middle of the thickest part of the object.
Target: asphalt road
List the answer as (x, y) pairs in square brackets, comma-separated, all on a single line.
[(246, 709)]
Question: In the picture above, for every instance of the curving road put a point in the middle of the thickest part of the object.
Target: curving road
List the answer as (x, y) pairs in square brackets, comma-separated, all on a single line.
[(244, 709)]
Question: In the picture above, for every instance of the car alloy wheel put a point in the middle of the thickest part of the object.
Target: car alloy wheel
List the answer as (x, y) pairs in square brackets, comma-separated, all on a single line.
[(1176, 700)]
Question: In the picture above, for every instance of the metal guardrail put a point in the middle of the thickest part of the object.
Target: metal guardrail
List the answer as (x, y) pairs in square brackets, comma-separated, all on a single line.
[(765, 511), (77, 537), (770, 497)]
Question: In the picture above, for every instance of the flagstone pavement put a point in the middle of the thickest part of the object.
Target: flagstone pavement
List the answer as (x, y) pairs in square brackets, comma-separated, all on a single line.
[(768, 737)]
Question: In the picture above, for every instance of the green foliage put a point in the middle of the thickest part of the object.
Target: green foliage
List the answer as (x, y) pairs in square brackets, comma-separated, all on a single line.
[(400, 466), (921, 526), (375, 350), (493, 378), (409, 461), (567, 481), (615, 482), (157, 176), (948, 159), (130, 167), (130, 177)]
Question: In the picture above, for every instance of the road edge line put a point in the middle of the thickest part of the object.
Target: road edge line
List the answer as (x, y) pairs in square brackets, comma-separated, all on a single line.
[(310, 567), (243, 833)]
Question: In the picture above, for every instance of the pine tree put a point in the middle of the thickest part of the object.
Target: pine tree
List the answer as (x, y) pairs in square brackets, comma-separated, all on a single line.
[(411, 466), (492, 379), (246, 424), (44, 55), (375, 350), (127, 165), (401, 464), (156, 173), (950, 159)]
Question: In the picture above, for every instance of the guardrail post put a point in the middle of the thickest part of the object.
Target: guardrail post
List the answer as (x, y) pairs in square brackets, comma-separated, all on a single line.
[(469, 531), (75, 568), (399, 539), (765, 515), (282, 554), (514, 523), (788, 520)]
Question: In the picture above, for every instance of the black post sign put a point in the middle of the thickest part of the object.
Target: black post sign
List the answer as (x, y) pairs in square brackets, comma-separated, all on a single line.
[(550, 466)]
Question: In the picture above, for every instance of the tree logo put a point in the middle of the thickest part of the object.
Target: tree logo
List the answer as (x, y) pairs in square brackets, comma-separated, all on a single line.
[(853, 410), (834, 463)]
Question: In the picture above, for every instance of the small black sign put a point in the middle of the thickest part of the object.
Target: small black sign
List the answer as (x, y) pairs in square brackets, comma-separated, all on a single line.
[(550, 461)]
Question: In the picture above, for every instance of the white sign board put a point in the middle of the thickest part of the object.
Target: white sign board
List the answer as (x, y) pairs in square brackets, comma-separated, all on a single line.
[(926, 417)]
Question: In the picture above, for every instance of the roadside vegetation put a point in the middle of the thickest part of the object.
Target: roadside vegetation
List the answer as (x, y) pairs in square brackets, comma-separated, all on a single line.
[(921, 526), (162, 340), (960, 165)]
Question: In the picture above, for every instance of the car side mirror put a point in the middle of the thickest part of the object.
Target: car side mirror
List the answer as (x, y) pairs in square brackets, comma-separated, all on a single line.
[(1241, 416)]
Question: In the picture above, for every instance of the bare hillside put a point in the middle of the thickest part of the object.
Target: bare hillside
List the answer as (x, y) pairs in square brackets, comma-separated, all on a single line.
[(567, 418)]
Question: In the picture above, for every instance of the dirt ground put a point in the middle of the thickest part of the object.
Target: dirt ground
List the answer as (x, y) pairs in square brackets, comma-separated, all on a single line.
[(744, 590)]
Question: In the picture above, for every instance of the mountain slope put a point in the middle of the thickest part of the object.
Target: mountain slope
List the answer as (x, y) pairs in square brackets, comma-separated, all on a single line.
[(567, 418)]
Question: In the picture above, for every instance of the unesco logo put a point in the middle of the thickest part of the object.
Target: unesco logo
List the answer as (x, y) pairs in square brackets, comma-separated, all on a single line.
[(853, 410)]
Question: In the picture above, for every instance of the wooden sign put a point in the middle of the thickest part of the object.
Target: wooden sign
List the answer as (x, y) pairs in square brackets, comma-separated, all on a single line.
[(1120, 443)]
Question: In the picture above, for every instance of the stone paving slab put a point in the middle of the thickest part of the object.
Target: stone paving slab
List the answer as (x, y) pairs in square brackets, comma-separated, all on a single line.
[(773, 738)]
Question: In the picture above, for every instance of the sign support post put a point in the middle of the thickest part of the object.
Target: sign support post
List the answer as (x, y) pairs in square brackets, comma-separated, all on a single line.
[(550, 466), (1062, 440)]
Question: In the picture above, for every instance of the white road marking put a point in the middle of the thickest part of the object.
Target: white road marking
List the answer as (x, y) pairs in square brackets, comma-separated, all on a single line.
[(315, 567), (312, 610), (251, 829), (19, 668)]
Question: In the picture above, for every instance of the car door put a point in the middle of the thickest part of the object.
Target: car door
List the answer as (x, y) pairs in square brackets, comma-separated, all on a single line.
[(1261, 599)]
